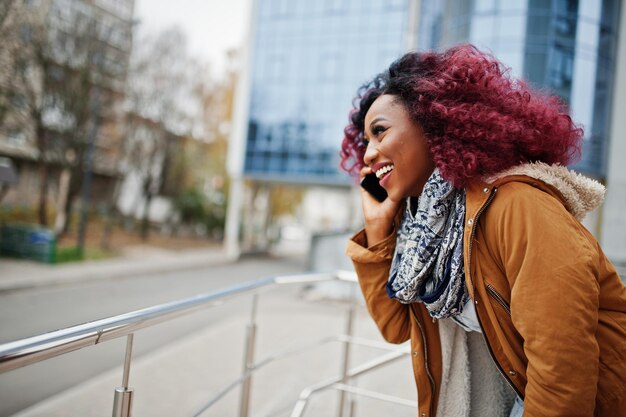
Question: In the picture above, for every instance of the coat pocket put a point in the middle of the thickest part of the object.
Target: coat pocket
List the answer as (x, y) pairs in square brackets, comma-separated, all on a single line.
[(499, 299)]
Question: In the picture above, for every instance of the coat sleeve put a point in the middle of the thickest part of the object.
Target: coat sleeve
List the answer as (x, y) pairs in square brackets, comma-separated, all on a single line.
[(551, 266), (372, 267)]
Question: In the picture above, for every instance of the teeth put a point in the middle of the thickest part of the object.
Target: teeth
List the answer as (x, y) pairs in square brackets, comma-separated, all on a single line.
[(383, 171)]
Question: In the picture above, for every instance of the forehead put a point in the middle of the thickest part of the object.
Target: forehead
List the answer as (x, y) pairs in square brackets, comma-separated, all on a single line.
[(386, 106)]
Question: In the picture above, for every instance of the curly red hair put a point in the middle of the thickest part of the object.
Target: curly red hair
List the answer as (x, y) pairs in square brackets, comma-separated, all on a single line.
[(477, 120)]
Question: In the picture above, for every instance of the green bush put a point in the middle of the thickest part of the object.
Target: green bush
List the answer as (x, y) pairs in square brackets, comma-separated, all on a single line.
[(215, 221), (69, 254), (194, 208), (191, 204)]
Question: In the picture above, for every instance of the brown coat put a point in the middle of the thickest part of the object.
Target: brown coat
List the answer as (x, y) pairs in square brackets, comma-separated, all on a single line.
[(551, 305)]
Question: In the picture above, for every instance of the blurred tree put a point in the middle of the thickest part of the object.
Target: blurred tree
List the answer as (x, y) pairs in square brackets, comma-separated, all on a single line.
[(284, 200), (165, 91), (23, 102), (217, 106), (191, 204), (56, 73), (177, 127), (5, 7)]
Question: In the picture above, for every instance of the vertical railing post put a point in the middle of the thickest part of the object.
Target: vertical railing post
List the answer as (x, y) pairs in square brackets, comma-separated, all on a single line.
[(352, 408), (123, 399), (345, 360), (248, 361)]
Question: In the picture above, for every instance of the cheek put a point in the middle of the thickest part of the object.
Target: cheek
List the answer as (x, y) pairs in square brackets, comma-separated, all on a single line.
[(395, 146)]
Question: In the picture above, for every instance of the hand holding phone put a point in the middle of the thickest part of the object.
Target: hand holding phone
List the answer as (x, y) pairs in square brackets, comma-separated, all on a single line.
[(371, 185)]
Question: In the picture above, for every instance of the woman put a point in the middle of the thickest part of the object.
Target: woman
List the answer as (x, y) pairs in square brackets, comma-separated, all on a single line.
[(478, 255)]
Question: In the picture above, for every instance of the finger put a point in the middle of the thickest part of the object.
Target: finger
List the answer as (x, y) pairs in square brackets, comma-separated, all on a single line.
[(365, 171)]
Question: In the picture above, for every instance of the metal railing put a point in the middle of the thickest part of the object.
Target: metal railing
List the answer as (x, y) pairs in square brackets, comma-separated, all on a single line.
[(34, 349)]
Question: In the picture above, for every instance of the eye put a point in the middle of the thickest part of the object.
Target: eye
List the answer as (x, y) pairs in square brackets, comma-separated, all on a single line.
[(378, 129)]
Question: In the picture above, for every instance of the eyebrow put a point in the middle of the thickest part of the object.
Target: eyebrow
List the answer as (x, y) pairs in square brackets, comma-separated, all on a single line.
[(376, 120)]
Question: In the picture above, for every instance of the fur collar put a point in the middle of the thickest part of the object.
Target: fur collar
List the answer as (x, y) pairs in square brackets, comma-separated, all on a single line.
[(580, 194)]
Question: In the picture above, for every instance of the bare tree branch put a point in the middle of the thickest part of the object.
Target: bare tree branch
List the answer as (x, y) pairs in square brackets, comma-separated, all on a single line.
[(47, 91), (163, 108)]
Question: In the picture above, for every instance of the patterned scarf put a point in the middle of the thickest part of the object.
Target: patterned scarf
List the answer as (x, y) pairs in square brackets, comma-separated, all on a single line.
[(427, 265)]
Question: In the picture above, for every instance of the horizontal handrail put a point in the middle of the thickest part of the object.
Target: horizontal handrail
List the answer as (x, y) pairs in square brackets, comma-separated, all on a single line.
[(34, 349)]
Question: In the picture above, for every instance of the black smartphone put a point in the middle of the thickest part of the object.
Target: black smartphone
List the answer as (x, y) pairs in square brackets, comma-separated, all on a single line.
[(371, 185)]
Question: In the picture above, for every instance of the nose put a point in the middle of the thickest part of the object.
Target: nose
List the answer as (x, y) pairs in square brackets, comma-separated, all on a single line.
[(371, 153)]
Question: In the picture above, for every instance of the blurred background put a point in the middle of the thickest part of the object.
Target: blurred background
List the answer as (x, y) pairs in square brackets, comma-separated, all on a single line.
[(124, 122), (152, 140), (211, 122)]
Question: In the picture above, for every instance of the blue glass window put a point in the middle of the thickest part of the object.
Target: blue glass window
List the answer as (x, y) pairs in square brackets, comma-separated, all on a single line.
[(560, 45), (309, 59)]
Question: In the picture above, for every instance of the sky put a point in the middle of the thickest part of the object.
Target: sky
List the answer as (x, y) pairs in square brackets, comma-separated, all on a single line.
[(212, 26)]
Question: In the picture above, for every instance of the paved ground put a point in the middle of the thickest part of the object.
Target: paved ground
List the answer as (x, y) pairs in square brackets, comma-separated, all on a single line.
[(200, 357), (47, 305), (140, 260), (205, 354), (180, 378)]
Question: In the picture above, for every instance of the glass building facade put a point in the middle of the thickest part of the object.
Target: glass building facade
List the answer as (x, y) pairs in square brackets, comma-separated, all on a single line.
[(308, 59), (565, 46)]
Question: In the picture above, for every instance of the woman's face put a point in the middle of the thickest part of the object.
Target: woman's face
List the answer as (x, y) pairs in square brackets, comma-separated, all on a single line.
[(397, 151)]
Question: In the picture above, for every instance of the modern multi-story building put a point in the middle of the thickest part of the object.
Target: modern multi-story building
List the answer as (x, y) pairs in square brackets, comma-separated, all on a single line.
[(569, 48), (308, 58), (612, 219), (305, 61)]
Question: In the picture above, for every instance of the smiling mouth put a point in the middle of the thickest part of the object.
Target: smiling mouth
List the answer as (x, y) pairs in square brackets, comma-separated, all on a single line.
[(384, 170)]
